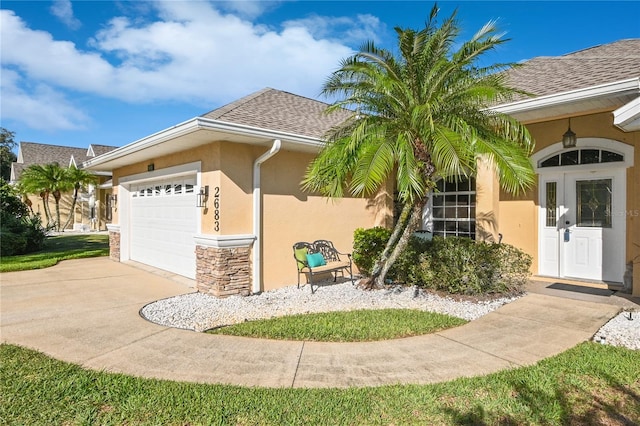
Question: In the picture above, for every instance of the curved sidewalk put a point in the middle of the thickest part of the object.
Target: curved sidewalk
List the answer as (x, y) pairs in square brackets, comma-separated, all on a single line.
[(86, 312)]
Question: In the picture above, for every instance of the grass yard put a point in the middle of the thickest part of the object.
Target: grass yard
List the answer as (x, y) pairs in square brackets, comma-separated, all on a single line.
[(62, 247), (590, 384), (350, 326)]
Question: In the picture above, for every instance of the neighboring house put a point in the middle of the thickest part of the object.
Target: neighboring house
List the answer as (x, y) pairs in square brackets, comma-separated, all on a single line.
[(92, 212), (582, 221), (249, 157)]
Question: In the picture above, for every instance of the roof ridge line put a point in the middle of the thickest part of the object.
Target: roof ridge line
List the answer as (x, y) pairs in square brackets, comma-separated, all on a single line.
[(224, 109)]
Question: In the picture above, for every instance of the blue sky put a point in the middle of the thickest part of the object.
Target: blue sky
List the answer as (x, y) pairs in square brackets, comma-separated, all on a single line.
[(111, 72)]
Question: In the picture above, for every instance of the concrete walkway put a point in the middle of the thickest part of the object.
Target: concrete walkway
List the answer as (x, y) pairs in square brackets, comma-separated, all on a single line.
[(86, 312)]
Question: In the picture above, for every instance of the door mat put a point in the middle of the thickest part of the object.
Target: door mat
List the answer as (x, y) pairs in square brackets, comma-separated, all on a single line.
[(581, 289)]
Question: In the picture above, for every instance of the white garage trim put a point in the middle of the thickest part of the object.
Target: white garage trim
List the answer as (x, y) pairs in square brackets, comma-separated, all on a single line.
[(159, 218), (167, 172), (225, 241)]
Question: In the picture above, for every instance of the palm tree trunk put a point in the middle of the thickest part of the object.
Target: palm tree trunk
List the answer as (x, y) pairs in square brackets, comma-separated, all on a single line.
[(45, 205), (393, 239), (411, 227), (29, 204), (73, 206), (57, 196)]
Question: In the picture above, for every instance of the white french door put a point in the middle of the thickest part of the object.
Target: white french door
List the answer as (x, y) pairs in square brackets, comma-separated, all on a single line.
[(582, 225)]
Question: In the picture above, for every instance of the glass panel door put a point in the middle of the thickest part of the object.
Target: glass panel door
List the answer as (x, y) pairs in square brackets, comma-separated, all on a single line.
[(593, 203)]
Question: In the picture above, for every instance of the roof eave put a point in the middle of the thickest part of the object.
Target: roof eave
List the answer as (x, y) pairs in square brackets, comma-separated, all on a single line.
[(587, 94), (627, 117), (109, 160)]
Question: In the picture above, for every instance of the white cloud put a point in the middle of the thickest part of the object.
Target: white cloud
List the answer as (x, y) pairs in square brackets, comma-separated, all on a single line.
[(40, 107), (346, 29), (189, 52), (63, 10), (246, 8)]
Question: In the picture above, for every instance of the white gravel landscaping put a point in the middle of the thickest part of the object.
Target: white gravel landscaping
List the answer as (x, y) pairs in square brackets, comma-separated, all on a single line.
[(621, 330), (200, 312)]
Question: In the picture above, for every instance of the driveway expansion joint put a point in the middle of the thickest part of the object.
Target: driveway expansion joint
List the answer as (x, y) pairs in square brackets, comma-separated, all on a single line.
[(509, 361), (295, 373), (140, 339)]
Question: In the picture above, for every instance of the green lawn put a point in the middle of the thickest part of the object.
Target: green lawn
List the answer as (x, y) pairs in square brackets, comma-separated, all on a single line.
[(589, 384), (352, 326), (63, 247)]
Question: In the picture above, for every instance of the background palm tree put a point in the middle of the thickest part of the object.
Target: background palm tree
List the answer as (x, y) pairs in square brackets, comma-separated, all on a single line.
[(77, 178), (46, 180), (418, 117)]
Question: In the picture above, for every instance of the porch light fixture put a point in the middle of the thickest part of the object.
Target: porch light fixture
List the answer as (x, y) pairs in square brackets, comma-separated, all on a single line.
[(203, 195), (114, 198), (569, 138)]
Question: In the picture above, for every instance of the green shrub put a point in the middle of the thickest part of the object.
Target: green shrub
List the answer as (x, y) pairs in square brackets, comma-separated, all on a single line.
[(453, 265), (19, 232), (463, 266), (34, 232), (514, 269), (11, 243), (10, 202), (369, 244)]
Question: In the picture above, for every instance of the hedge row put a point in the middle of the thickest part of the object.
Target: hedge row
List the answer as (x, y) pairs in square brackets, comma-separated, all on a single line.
[(455, 265)]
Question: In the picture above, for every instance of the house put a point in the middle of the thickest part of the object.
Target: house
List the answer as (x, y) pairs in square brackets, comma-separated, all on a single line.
[(582, 221), (93, 208), (217, 198)]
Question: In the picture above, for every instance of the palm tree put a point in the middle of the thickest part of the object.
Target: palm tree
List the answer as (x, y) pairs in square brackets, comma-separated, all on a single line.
[(420, 116), (46, 180), (77, 178)]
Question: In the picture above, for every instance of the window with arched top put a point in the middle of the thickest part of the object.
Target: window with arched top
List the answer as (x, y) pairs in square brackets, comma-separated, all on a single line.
[(582, 156)]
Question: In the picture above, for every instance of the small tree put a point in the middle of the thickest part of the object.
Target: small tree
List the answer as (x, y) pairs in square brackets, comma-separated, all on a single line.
[(421, 115), (77, 178), (7, 144), (46, 180), (19, 231)]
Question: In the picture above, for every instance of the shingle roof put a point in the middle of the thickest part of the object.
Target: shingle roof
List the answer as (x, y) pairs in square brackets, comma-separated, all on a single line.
[(590, 67), (101, 149), (280, 111), (38, 153)]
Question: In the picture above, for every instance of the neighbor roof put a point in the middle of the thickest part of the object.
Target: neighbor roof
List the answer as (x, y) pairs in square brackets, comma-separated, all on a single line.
[(280, 111), (38, 153), (590, 67)]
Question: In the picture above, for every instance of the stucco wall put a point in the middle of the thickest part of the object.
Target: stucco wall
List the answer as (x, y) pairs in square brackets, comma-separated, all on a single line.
[(289, 215), (81, 210), (633, 216), (519, 215)]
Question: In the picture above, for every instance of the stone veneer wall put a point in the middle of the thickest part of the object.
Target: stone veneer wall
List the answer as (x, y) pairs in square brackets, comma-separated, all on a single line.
[(114, 246), (223, 272)]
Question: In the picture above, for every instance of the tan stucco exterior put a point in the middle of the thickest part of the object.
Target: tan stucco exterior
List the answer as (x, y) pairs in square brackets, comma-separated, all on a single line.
[(517, 216), (81, 210), (289, 215)]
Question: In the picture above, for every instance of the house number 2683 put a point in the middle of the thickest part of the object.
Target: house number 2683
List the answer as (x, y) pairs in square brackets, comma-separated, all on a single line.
[(216, 208)]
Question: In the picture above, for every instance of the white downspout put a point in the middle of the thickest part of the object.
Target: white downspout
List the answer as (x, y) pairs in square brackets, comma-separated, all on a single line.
[(257, 215)]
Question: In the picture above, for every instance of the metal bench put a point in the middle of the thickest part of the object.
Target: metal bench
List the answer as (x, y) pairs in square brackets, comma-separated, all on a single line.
[(333, 263)]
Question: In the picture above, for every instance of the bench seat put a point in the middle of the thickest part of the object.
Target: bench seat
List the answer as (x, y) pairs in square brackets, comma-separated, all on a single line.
[(329, 267), (334, 263)]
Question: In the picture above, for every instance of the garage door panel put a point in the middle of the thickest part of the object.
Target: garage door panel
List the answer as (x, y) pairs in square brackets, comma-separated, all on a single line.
[(162, 231)]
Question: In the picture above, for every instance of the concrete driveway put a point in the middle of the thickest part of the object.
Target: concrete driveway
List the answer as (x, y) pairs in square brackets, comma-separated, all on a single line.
[(86, 312)]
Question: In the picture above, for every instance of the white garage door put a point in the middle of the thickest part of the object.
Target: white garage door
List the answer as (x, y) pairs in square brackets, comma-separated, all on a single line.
[(163, 223)]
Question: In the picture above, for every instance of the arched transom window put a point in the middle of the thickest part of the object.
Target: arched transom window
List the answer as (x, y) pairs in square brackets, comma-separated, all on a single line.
[(582, 156)]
